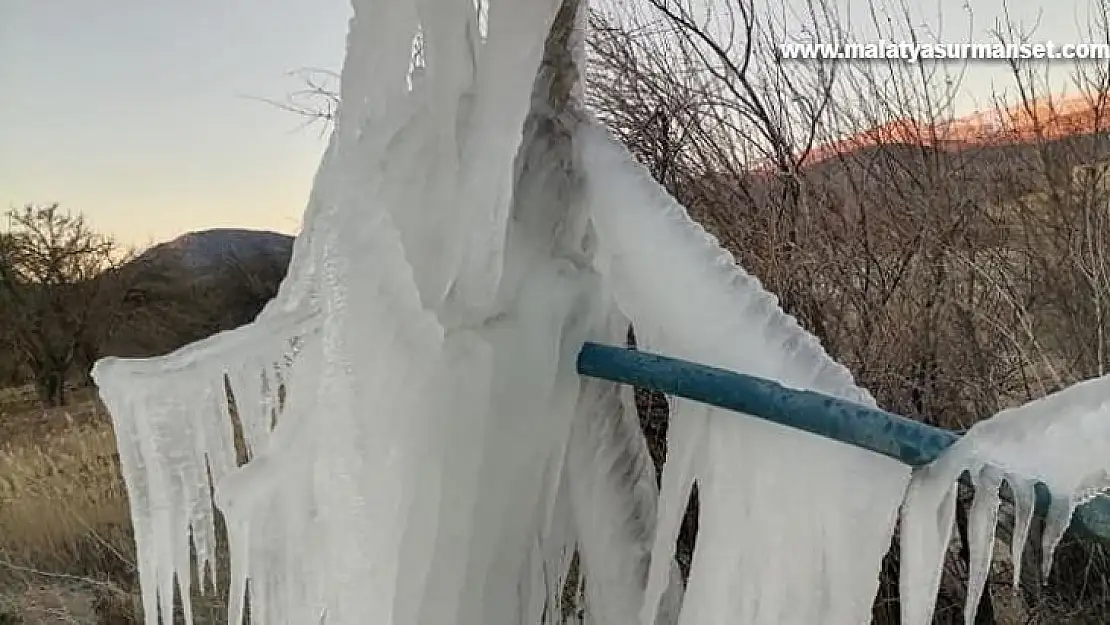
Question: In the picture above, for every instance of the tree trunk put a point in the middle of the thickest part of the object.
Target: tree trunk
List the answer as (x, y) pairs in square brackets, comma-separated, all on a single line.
[(50, 385)]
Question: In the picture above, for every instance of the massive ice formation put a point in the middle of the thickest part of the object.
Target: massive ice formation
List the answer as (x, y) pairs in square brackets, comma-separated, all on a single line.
[(789, 501), (421, 450)]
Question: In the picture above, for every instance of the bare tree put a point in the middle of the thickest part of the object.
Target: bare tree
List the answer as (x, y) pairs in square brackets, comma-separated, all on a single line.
[(317, 101), (701, 98), (50, 292)]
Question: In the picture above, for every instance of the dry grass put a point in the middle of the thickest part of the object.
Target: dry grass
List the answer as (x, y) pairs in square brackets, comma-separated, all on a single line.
[(66, 549)]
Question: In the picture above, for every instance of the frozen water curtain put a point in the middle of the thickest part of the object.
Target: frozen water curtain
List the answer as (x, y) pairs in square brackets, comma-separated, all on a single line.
[(419, 448)]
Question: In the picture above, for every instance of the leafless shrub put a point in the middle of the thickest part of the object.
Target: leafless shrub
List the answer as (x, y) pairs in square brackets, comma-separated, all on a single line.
[(954, 282)]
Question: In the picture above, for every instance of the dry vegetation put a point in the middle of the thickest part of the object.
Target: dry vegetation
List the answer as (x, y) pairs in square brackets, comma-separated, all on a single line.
[(66, 552)]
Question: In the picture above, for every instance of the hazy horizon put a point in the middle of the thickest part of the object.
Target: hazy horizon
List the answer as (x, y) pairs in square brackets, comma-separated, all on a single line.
[(145, 116)]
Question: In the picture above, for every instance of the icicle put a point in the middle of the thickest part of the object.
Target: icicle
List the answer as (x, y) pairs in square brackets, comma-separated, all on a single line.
[(1059, 440), (615, 497), (502, 98), (686, 441), (168, 450), (687, 298), (1024, 507)]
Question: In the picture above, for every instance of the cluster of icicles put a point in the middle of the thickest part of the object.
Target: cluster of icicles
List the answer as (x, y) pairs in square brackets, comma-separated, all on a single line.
[(421, 450)]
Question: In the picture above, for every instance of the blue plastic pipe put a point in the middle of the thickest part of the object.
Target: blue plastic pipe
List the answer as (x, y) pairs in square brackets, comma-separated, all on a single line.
[(882, 432)]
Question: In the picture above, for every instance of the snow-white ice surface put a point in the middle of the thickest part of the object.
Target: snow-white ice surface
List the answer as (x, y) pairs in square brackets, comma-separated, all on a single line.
[(1062, 441), (781, 510), (419, 447)]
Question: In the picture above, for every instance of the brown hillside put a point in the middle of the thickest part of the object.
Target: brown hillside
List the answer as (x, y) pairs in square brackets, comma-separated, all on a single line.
[(1045, 120)]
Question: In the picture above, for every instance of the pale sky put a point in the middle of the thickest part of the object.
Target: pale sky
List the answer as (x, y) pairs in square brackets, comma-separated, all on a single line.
[(139, 112)]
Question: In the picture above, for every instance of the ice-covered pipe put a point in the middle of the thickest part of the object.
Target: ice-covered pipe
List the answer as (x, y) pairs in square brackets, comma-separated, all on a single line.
[(912, 442)]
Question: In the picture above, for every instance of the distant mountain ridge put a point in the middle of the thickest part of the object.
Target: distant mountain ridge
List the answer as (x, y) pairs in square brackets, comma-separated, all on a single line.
[(207, 250), (193, 286), (1047, 119)]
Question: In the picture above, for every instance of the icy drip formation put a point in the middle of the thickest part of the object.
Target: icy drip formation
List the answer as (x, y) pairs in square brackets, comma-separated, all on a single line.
[(1062, 441), (420, 449), (788, 532)]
